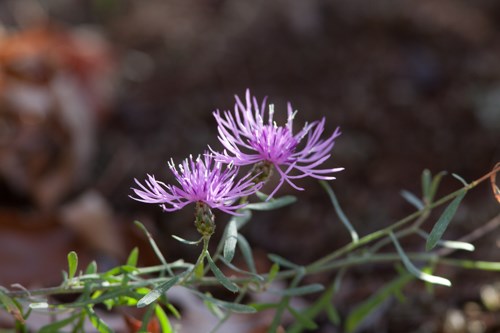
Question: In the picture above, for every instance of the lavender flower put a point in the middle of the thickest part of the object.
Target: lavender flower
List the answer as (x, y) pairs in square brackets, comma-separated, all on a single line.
[(247, 140), (201, 181)]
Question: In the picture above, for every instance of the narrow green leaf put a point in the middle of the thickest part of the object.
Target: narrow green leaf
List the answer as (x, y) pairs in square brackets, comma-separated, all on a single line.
[(154, 294), (165, 325), (322, 304), (199, 270), (264, 306), (303, 320), (455, 245), (412, 199), (56, 326), (426, 183), (273, 203), (340, 213), (367, 307), (275, 268), (185, 241), (155, 247), (91, 268), (146, 318), (332, 314), (473, 264), (299, 291), (414, 270), (460, 179), (220, 276), (434, 185), (97, 322), (247, 253), (239, 270), (39, 305), (10, 305), (282, 261), (261, 196), (72, 264), (443, 222), (174, 311), (233, 307), (214, 309), (133, 257), (230, 241)]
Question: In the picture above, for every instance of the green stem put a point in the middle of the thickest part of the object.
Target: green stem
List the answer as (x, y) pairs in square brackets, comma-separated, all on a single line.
[(402, 222), (200, 260)]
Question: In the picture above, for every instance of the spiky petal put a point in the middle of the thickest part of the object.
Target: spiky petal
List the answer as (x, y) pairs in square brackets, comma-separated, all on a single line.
[(201, 180), (249, 140)]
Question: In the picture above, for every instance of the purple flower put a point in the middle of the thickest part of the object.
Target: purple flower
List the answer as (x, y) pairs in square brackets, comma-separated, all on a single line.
[(201, 181), (247, 139)]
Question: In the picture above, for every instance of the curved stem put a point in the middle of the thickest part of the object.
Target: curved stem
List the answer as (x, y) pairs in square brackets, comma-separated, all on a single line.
[(200, 260)]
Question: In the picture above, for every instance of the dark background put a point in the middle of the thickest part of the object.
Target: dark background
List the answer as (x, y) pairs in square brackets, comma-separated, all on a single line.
[(413, 85)]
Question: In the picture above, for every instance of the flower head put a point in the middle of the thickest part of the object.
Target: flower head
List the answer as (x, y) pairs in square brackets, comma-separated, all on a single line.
[(201, 180), (248, 139)]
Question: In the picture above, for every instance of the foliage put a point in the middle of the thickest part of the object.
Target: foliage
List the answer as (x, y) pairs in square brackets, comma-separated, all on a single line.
[(132, 286)]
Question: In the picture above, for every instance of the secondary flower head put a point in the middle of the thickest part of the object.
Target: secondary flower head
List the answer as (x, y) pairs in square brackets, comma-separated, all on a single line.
[(202, 181), (248, 140)]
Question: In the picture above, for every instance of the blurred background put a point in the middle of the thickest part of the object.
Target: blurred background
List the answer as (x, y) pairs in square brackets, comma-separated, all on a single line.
[(96, 93)]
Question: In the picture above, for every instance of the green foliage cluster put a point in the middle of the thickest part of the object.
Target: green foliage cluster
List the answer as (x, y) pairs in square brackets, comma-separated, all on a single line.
[(147, 287)]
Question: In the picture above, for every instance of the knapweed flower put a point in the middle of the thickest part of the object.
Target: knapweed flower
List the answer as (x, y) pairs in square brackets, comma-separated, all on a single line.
[(249, 140), (201, 181)]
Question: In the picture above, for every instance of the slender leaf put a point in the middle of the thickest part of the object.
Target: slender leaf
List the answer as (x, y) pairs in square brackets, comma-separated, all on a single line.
[(359, 314), (412, 199), (199, 269), (282, 261), (214, 309), (426, 183), (220, 276), (97, 322), (239, 270), (332, 314), (165, 325), (264, 306), (146, 318), (174, 311), (72, 264), (154, 246), (275, 268), (154, 294), (185, 241), (133, 257), (56, 326), (39, 305), (324, 303), (303, 320), (443, 222), (11, 306), (247, 253), (273, 203), (455, 245), (434, 185), (230, 241), (460, 179), (414, 270), (340, 213), (473, 264), (299, 291), (91, 268)]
